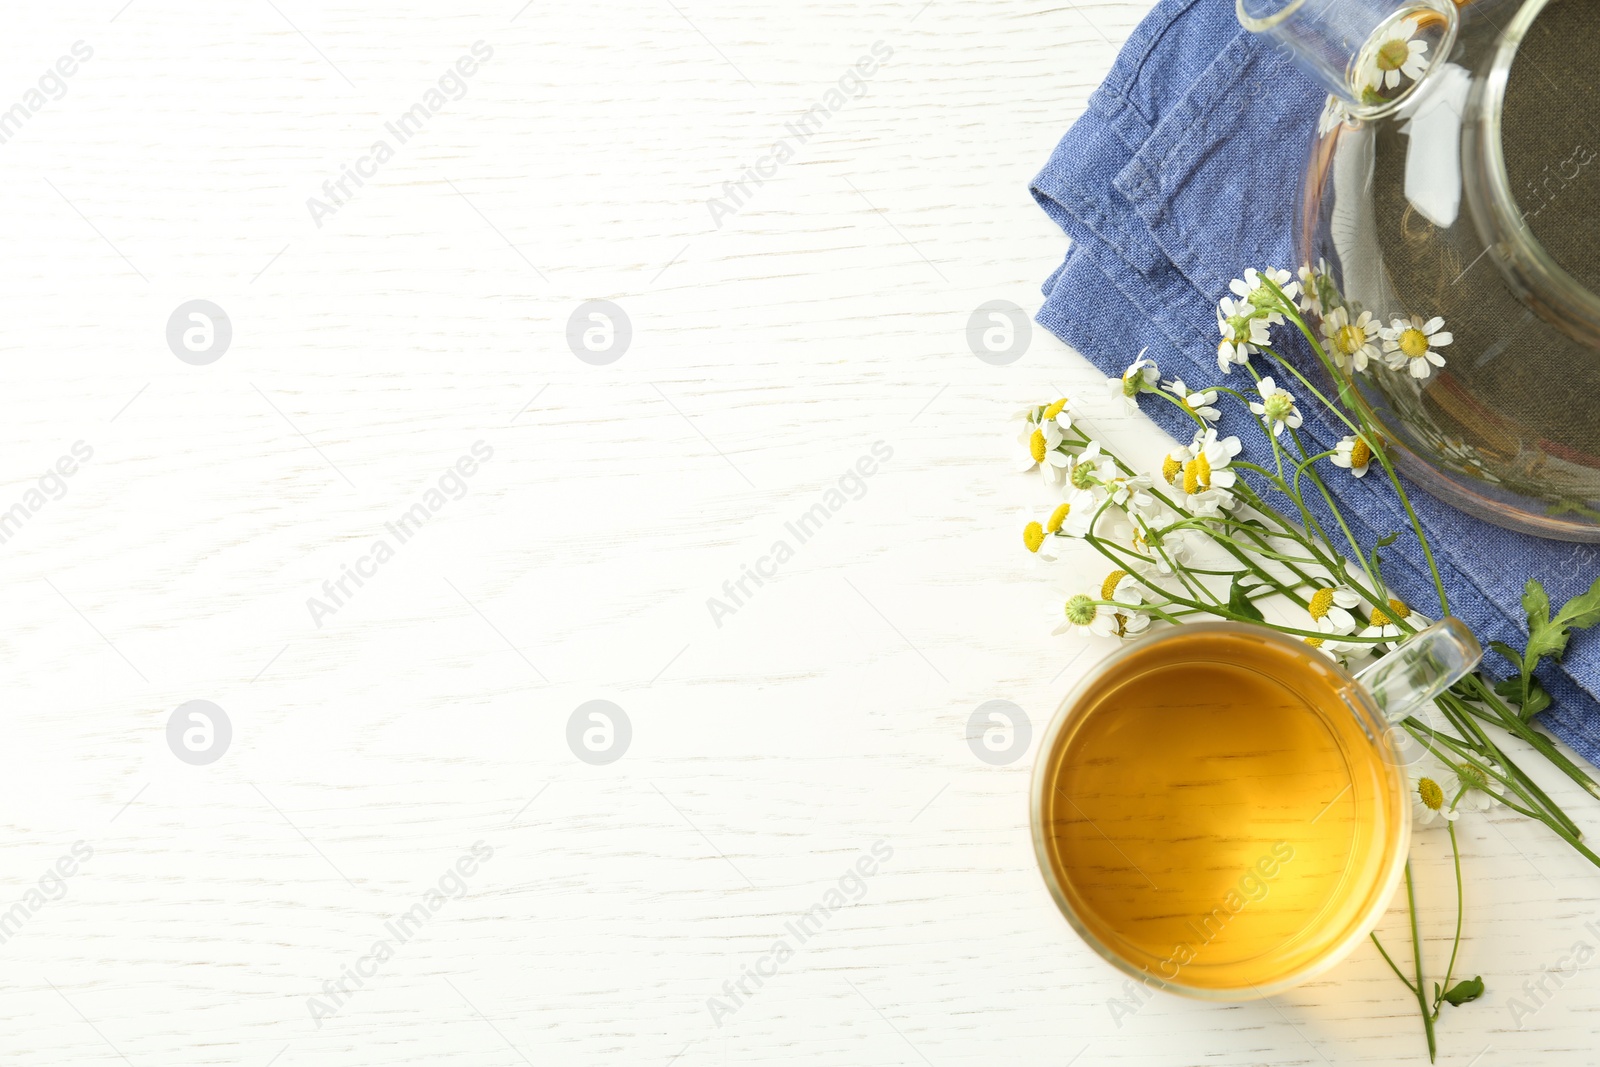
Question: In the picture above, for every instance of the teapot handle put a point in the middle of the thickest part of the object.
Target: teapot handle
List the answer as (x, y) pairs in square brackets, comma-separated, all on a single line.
[(1332, 40)]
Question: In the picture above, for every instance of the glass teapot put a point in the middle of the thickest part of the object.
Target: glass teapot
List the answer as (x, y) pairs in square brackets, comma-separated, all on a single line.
[(1450, 232)]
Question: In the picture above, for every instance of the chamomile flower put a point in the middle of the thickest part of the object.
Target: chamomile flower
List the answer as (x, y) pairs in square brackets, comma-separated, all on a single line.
[(1160, 554), (1058, 412), (1122, 587), (1412, 343), (1329, 608), (1254, 291), (1354, 454), (1042, 429), (1333, 116), (1244, 333), (1031, 444), (1463, 457), (1140, 377), (1126, 590), (1201, 402), (1033, 537), (1478, 783), (1207, 482), (1035, 452), (1092, 470), (1385, 622), (1353, 343), (1071, 517), (1341, 652), (1045, 548), (1276, 407), (1132, 624), (1433, 791), (1081, 614), (1318, 295), (1400, 56), (1172, 465), (1132, 494)]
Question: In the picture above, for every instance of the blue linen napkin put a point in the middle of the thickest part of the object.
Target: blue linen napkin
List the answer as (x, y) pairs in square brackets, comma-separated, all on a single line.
[(1184, 171)]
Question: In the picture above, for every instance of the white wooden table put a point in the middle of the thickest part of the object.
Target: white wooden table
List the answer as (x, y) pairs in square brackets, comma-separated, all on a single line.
[(227, 911)]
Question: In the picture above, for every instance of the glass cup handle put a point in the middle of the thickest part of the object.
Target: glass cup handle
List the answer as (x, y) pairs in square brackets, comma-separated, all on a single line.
[(1422, 668)]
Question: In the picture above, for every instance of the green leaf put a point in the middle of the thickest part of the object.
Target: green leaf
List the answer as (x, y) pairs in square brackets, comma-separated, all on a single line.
[(1582, 611), (1239, 602), (1537, 701), (1385, 542), (1509, 653), (1465, 992), (1548, 641), (1548, 636), (1536, 602)]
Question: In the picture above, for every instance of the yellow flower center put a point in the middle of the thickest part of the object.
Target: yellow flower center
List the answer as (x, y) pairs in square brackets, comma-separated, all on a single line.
[(1197, 475), (1033, 536), (1472, 777), (1171, 469), (1431, 792), (1055, 409), (1108, 588), (1321, 601), (1350, 339), (1057, 517), (1414, 343), (1314, 642), (1036, 446), (1393, 54), (1398, 608), (1360, 453)]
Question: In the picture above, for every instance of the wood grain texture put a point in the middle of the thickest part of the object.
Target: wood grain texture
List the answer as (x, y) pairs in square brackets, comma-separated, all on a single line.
[(430, 711)]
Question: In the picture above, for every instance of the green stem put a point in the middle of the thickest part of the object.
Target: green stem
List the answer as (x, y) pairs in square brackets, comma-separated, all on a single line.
[(1398, 973), (1416, 949), (1455, 853), (1338, 516), (1360, 413), (1513, 723), (1333, 408), (1539, 807), (1460, 710), (1179, 404), (1416, 528)]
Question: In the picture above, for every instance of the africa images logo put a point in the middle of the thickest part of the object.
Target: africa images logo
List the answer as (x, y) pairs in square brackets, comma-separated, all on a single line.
[(849, 888), (451, 885), (451, 86)]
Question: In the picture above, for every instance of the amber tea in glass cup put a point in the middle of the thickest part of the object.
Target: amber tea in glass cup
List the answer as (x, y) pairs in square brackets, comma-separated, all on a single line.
[(1221, 811)]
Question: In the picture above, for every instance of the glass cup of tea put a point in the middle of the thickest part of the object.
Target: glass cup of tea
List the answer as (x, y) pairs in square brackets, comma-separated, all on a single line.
[(1222, 811)]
